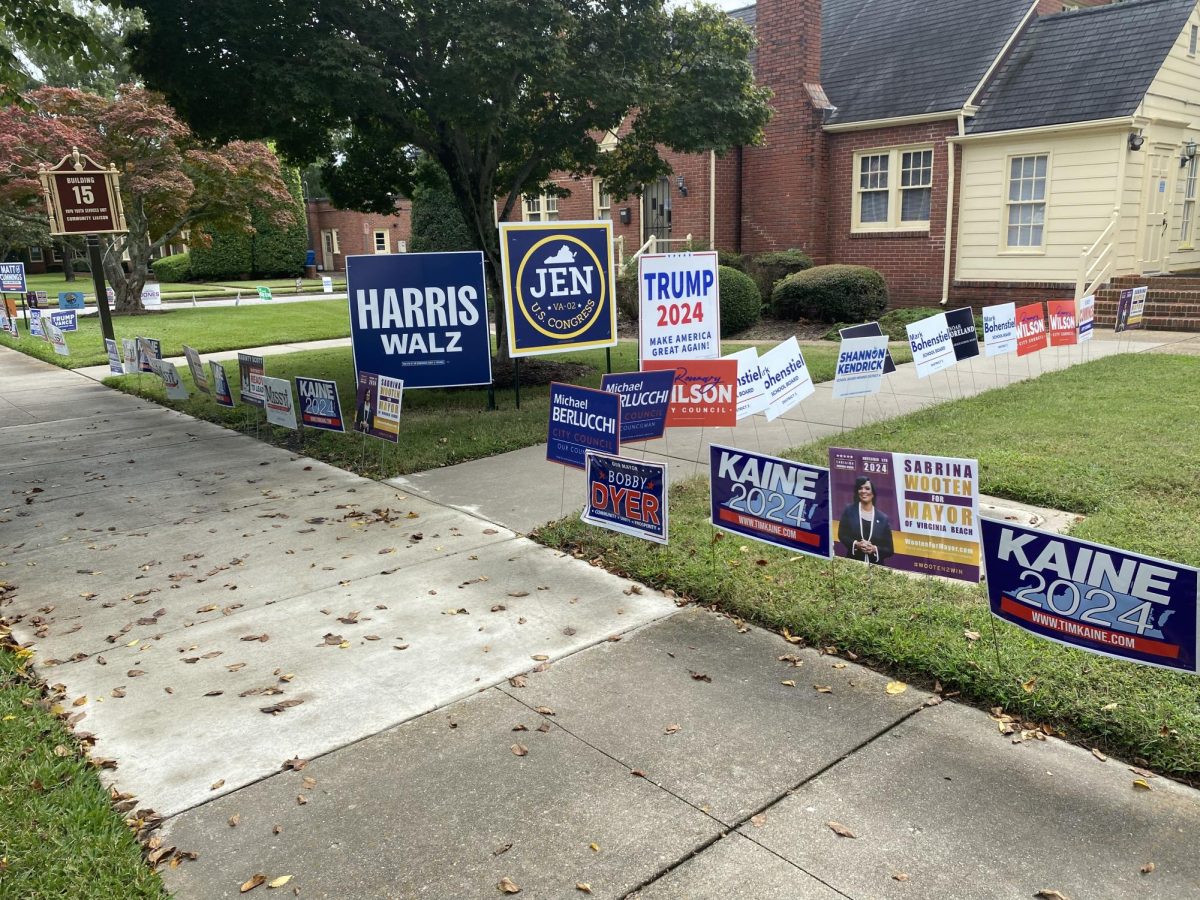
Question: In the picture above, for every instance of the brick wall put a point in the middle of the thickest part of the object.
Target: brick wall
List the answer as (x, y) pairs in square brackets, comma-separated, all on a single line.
[(356, 230), (911, 262), (783, 201), (978, 294), (1050, 7)]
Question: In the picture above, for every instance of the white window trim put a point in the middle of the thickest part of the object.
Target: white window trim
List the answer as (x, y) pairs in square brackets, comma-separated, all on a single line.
[(375, 239), (336, 249), (597, 209), (1004, 248), (1188, 222), (35, 255), (1193, 40), (545, 202), (895, 156)]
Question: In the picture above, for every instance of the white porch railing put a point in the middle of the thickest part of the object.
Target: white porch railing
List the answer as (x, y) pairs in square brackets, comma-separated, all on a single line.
[(653, 245), (1098, 262)]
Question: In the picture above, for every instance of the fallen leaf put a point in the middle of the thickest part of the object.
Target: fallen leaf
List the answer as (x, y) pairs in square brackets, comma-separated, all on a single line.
[(1147, 868), (788, 683), (518, 593), (301, 800), (519, 728), (638, 773), (1100, 756), (308, 782), (506, 886), (295, 764), (278, 829), (971, 635), (1028, 686), (672, 729), (1141, 784), (502, 849), (519, 750), (517, 681), (758, 821), (279, 882), (543, 710), (276, 708), (583, 887), (234, 820), (220, 782), (896, 687), (900, 876), (790, 638), (539, 657), (1051, 895), (822, 689), (252, 882), (700, 676), (841, 830), (594, 847)]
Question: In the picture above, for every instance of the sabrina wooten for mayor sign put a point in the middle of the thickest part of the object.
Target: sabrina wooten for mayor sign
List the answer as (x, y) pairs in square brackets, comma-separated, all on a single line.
[(558, 286), (1093, 597), (420, 317), (773, 500)]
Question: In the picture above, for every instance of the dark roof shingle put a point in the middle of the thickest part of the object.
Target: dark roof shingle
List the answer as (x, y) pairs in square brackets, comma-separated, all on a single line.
[(1082, 65)]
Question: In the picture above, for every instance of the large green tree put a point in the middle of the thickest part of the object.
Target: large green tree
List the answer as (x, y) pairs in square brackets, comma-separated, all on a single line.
[(32, 29), (500, 92)]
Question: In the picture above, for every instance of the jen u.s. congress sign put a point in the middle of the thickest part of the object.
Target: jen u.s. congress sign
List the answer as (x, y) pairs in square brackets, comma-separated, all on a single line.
[(558, 286)]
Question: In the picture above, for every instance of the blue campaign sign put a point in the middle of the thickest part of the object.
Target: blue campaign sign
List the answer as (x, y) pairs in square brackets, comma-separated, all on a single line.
[(320, 406), (12, 278), (421, 318), (627, 495), (70, 299), (582, 419), (558, 286), (776, 501), (1092, 597), (645, 399), (64, 319)]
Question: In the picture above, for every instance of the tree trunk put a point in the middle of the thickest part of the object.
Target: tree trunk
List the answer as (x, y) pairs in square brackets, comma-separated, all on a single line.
[(127, 286), (67, 252)]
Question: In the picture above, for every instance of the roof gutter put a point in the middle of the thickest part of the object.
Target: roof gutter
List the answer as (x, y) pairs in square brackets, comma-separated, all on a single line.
[(943, 116), (1119, 121), (1030, 15)]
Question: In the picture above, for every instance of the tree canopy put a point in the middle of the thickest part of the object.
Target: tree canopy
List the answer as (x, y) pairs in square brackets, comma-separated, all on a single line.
[(501, 93)]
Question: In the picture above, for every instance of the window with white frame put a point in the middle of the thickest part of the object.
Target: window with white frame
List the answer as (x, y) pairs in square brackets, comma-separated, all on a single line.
[(381, 241), (893, 189), (1026, 202), (603, 201), (1193, 40), (1189, 204), (35, 254), (540, 209)]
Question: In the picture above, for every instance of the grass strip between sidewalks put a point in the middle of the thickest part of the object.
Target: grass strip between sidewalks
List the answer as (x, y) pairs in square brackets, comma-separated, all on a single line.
[(208, 330), (59, 834), (437, 427), (1095, 440)]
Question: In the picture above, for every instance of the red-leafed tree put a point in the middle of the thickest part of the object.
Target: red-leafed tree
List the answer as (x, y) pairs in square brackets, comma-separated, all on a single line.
[(171, 181)]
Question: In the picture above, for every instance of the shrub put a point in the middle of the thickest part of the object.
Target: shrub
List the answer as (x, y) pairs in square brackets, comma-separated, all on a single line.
[(767, 269), (894, 321), (437, 222), (731, 259), (831, 294), (741, 303), (173, 268), (628, 303)]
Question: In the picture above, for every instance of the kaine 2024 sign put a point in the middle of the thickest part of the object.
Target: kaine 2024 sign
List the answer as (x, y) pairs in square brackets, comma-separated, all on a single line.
[(558, 286), (769, 499), (420, 317), (1093, 597)]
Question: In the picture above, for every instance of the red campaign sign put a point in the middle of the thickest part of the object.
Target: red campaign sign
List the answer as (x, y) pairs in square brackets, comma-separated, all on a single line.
[(1063, 331), (1031, 329), (704, 394)]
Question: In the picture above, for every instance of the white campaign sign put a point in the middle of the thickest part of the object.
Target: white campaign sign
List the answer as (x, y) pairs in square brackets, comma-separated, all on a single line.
[(1000, 329), (785, 377), (860, 367), (151, 296), (55, 336), (1085, 317), (281, 410), (751, 391), (931, 345), (170, 379), (129, 355), (679, 315)]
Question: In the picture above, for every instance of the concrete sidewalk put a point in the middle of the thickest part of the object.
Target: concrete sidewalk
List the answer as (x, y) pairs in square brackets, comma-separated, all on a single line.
[(474, 707)]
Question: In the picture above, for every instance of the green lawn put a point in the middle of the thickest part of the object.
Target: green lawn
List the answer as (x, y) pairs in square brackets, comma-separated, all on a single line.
[(59, 834), (208, 330), (438, 428), (1092, 440)]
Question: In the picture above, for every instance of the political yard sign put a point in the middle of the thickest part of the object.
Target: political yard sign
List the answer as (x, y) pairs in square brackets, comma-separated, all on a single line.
[(1092, 597), (786, 378), (1085, 317), (628, 496), (1031, 329), (1000, 329), (148, 349), (769, 499), (582, 419), (320, 406), (860, 366), (251, 371), (961, 323), (680, 311), (377, 406), (63, 319), (279, 406), (645, 398), (220, 385), (752, 397), (704, 394), (12, 278), (931, 345), (420, 317), (558, 286), (920, 513), (1063, 327), (170, 379)]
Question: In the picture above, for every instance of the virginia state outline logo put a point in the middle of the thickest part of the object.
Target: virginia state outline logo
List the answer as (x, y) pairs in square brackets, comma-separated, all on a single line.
[(558, 286)]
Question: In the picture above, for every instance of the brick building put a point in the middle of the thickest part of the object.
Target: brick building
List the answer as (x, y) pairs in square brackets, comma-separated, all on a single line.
[(893, 118), (335, 233)]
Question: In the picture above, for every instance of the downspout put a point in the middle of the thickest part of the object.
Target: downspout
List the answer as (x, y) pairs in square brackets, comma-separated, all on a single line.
[(712, 200), (951, 182)]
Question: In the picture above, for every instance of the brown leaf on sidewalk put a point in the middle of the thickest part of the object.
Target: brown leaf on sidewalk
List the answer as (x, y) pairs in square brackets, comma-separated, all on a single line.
[(638, 773), (1141, 784), (1100, 756), (518, 593), (896, 687), (543, 711), (507, 886), (279, 882), (841, 830), (234, 820), (673, 729), (252, 882), (583, 887), (262, 638), (519, 750), (700, 676), (276, 708), (900, 876), (1045, 894), (1147, 868), (519, 728), (219, 783), (295, 764), (822, 689), (517, 681), (759, 821), (544, 728)]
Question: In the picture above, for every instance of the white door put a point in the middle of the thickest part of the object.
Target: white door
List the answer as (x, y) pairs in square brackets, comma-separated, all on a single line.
[(327, 250), (1157, 211)]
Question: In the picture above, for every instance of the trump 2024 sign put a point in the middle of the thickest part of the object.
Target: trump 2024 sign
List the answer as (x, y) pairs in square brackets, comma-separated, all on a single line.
[(421, 318), (558, 286)]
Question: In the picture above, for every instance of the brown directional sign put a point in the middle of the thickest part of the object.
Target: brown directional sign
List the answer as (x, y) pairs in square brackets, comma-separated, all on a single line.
[(82, 198)]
